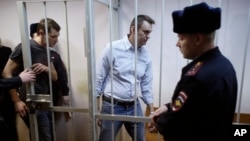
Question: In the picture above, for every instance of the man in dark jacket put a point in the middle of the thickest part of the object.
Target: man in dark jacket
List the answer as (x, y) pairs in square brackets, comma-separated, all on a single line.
[(204, 100), (4, 56), (7, 116), (7, 113)]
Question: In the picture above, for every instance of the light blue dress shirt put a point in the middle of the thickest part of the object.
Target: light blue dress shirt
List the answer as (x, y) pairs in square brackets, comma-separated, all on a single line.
[(123, 61)]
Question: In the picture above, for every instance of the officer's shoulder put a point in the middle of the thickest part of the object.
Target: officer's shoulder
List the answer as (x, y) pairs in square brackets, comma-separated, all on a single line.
[(193, 71), (209, 70)]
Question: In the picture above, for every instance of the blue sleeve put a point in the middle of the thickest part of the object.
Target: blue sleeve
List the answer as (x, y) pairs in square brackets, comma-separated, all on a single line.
[(9, 83), (102, 70)]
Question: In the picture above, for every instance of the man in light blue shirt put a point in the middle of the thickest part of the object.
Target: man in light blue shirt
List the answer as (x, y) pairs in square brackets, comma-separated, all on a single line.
[(117, 80)]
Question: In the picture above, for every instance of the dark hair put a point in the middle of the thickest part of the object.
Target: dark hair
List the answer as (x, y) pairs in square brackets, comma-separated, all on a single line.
[(33, 29), (140, 19), (51, 24)]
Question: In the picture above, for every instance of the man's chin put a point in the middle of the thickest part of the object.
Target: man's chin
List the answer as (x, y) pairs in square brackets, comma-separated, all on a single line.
[(142, 44), (52, 45)]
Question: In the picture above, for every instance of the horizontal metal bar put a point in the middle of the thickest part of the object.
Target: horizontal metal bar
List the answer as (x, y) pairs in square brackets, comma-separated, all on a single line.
[(123, 118), (115, 6), (41, 1), (109, 117), (65, 109)]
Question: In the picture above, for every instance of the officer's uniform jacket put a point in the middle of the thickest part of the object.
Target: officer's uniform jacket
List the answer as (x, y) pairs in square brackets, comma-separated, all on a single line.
[(207, 90)]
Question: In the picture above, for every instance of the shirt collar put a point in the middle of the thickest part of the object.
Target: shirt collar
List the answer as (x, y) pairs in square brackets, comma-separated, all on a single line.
[(128, 45)]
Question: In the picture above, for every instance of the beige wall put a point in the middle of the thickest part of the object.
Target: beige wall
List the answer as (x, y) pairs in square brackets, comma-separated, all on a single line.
[(232, 39)]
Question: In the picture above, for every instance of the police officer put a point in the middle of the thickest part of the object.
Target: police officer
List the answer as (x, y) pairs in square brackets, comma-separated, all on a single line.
[(203, 103)]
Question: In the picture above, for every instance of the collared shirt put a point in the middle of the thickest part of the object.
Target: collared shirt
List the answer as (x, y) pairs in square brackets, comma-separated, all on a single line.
[(122, 81)]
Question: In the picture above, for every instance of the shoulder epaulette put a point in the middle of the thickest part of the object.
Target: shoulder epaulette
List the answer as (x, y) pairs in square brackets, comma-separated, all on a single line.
[(194, 69)]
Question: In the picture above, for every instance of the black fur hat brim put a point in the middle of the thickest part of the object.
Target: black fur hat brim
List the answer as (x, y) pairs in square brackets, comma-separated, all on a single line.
[(199, 18)]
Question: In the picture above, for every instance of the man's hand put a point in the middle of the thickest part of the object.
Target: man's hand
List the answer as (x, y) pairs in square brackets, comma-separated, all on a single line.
[(39, 68), (151, 127), (21, 108), (27, 76), (154, 116), (66, 100), (99, 105), (99, 122)]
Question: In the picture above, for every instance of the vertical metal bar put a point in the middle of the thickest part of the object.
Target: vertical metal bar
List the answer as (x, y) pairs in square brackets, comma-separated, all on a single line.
[(48, 51), (111, 63), (91, 65), (23, 21), (161, 49), (115, 19), (22, 11), (225, 26), (136, 47), (85, 42), (217, 32), (190, 3), (72, 137), (67, 43), (49, 66), (244, 67), (161, 54), (111, 52)]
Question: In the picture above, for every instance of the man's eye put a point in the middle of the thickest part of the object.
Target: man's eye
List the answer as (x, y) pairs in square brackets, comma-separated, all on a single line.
[(53, 36)]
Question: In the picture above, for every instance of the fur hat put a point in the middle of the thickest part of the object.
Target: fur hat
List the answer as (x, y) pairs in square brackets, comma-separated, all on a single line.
[(33, 29), (199, 18)]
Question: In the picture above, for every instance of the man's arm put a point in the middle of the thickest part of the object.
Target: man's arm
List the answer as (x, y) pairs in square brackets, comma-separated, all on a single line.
[(39, 68), (62, 77), (16, 81), (150, 108), (9, 83), (54, 75), (20, 106), (101, 75), (9, 69), (146, 88)]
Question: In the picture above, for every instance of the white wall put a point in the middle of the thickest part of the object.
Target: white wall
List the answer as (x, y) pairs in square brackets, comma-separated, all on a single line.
[(10, 35), (232, 39)]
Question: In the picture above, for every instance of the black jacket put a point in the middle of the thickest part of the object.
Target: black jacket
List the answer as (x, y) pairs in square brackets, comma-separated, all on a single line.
[(203, 103), (4, 56), (9, 83), (60, 87)]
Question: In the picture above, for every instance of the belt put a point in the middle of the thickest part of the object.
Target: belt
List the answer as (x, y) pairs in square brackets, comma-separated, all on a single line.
[(118, 102)]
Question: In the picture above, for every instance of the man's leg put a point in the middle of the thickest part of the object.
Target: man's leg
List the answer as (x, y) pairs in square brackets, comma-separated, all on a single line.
[(3, 129), (140, 126), (108, 126), (44, 126)]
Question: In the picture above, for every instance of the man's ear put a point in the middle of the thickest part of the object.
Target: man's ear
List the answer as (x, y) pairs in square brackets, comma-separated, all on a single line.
[(40, 32), (132, 29), (199, 39)]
